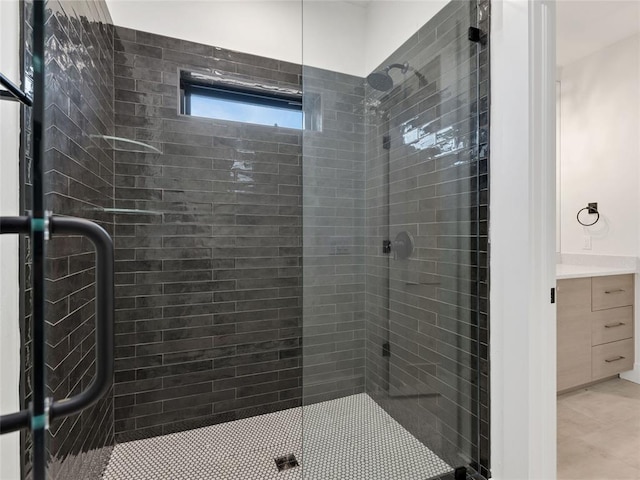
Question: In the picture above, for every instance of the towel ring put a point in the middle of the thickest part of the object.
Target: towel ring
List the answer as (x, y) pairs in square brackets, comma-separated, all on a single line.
[(591, 210)]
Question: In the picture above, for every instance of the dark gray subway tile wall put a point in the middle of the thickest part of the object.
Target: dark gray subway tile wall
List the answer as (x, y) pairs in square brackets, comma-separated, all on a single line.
[(333, 239), (78, 178), (431, 181), (209, 259), (209, 271)]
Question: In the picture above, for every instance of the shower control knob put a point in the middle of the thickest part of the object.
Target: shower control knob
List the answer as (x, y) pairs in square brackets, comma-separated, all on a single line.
[(402, 246)]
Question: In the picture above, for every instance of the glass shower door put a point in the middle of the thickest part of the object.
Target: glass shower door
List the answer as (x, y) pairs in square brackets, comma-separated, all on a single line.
[(33, 228), (395, 244), (67, 255), (437, 233), (433, 227), (204, 214)]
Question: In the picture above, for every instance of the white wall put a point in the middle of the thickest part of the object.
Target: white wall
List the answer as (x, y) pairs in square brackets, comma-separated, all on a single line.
[(347, 37), (390, 23), (333, 36), (616, 20), (268, 28), (9, 181), (600, 150), (333, 30)]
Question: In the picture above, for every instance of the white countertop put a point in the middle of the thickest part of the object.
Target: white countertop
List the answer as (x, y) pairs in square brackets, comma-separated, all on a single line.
[(564, 271)]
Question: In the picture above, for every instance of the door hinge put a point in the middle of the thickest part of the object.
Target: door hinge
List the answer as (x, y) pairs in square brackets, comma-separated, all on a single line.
[(386, 349), (460, 473), (553, 295), (475, 34)]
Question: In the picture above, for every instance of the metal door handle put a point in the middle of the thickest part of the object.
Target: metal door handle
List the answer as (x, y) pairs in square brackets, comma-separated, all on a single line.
[(609, 360), (617, 290), (103, 377), (613, 325), (13, 92), (18, 420)]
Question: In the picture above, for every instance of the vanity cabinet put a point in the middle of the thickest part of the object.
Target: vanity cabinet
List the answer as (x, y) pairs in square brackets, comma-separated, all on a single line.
[(595, 328)]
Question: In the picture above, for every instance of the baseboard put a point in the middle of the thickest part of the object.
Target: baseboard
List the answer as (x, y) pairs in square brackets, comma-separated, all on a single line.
[(586, 385), (632, 375)]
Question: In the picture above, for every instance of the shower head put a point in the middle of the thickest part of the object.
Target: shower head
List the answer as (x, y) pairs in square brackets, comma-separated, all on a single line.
[(382, 81)]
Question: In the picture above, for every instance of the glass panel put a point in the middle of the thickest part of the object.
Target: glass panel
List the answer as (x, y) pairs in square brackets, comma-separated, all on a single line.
[(206, 219), (432, 224), (250, 282), (78, 178), (36, 441), (395, 193)]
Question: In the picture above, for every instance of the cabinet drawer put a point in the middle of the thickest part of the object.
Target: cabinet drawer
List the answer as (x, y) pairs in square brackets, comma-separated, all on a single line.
[(574, 333), (611, 325), (611, 358), (611, 292)]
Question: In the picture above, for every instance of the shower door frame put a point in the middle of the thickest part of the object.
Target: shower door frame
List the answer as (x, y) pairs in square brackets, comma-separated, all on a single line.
[(522, 238)]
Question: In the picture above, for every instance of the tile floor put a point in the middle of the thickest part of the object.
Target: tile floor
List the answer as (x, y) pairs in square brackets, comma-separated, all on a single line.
[(351, 438), (599, 432)]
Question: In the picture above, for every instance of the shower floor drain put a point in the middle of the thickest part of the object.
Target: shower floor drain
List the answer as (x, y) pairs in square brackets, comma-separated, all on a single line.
[(286, 462)]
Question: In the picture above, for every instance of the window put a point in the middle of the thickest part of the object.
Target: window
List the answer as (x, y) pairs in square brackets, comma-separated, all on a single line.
[(241, 103)]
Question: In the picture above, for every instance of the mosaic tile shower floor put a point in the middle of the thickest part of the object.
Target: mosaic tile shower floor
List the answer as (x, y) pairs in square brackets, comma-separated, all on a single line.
[(350, 438)]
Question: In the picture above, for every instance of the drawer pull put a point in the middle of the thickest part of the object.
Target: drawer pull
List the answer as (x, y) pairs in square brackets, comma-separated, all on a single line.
[(614, 325), (617, 290), (609, 360)]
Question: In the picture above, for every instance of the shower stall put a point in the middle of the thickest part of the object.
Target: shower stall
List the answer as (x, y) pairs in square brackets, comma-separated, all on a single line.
[(301, 254)]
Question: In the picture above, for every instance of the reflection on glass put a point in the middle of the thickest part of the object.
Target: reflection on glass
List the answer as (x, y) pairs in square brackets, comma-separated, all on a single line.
[(443, 141)]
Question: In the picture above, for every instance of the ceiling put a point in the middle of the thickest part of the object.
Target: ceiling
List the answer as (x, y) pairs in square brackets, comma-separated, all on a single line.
[(586, 26)]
